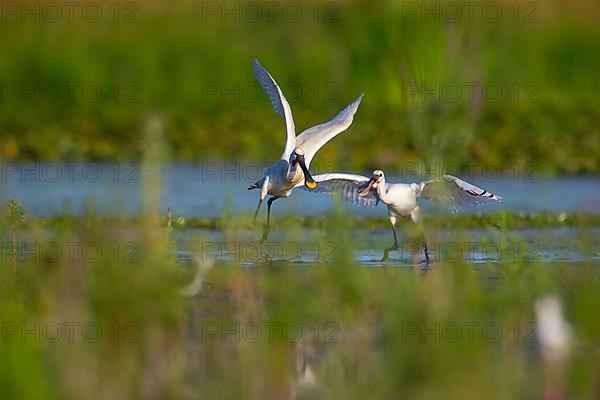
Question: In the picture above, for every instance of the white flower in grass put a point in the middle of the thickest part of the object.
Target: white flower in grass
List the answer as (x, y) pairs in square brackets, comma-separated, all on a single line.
[(554, 331), (203, 265), (562, 217)]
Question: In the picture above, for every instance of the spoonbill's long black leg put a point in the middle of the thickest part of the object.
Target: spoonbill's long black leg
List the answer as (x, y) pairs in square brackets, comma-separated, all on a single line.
[(256, 212), (425, 249), (386, 252), (268, 224)]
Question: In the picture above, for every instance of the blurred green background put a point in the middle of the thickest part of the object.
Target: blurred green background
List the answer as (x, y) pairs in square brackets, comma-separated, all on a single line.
[(190, 61), (187, 64)]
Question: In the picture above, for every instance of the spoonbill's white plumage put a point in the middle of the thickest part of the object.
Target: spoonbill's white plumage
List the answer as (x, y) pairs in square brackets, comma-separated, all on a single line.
[(401, 198), (292, 169)]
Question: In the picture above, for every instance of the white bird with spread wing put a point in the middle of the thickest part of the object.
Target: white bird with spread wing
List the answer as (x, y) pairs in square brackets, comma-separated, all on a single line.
[(401, 198), (292, 169)]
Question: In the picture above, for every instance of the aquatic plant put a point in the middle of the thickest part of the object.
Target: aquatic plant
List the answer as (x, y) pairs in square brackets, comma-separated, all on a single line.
[(15, 217)]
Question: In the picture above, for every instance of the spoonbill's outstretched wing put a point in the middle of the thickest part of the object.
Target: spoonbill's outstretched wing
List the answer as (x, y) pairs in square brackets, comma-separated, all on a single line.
[(312, 139), (456, 193), (280, 105), (347, 185)]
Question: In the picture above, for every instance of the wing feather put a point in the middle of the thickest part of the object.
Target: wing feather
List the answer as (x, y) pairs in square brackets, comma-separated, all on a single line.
[(347, 185), (280, 105), (456, 193), (312, 139)]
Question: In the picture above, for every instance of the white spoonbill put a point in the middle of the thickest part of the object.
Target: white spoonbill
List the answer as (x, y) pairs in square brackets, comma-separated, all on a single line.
[(292, 169), (401, 198)]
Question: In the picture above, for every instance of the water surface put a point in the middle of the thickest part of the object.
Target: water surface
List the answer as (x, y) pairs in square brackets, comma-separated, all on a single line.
[(195, 190)]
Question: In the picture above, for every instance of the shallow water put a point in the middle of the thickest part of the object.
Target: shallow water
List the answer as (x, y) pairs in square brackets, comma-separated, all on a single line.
[(474, 246), (198, 191), (205, 189)]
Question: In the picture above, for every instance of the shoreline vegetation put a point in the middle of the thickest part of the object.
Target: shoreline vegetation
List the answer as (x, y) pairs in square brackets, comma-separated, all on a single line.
[(500, 220)]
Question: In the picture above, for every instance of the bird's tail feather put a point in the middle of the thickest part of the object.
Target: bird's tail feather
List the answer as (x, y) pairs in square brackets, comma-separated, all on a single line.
[(257, 185)]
